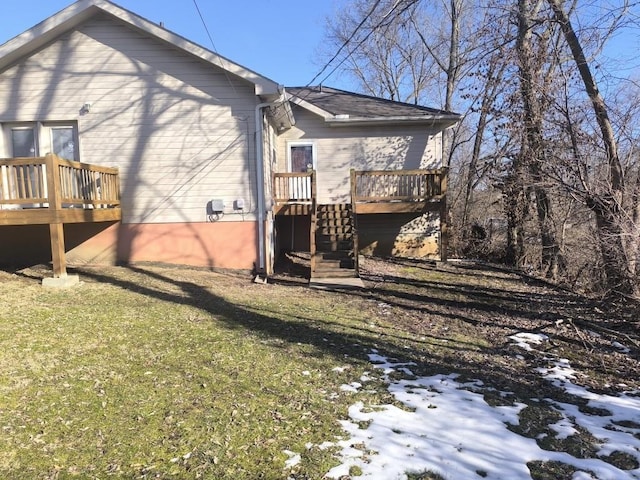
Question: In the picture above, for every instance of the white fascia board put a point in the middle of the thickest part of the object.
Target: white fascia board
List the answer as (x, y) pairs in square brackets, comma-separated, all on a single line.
[(442, 120), (44, 32), (309, 106), (75, 14)]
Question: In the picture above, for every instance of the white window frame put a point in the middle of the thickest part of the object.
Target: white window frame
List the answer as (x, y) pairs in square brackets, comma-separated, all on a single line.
[(43, 136), (7, 139), (302, 143)]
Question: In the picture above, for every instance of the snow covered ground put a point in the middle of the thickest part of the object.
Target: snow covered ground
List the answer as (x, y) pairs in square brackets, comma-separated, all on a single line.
[(448, 428)]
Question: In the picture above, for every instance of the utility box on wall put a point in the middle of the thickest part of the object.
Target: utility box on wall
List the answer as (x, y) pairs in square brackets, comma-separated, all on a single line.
[(216, 205)]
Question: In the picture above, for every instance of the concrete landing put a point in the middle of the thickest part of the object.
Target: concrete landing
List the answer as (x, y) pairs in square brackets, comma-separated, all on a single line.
[(336, 283), (61, 282)]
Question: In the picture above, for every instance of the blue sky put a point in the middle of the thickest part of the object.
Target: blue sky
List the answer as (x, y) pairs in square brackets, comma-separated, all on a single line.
[(276, 38)]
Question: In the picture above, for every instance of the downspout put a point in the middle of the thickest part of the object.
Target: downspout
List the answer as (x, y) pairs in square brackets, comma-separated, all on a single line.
[(260, 177)]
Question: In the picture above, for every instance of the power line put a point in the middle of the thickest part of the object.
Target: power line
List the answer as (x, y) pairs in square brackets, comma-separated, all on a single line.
[(213, 45), (346, 42), (205, 25)]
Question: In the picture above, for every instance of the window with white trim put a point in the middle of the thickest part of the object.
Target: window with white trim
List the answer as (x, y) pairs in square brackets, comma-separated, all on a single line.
[(301, 156), (36, 139)]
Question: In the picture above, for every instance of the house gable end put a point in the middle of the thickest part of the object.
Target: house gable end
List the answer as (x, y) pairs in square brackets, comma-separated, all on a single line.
[(71, 17), (104, 58), (177, 127)]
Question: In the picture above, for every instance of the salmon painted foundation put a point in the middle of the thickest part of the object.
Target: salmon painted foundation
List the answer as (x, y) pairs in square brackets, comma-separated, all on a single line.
[(228, 245)]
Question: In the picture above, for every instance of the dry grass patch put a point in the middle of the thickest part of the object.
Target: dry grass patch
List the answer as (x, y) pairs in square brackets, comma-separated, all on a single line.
[(155, 372)]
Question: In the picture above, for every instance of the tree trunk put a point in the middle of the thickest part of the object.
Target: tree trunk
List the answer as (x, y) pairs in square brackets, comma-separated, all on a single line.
[(606, 205), (533, 141), (611, 245), (516, 206)]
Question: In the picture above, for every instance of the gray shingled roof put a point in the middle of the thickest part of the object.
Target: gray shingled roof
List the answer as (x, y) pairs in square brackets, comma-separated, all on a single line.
[(340, 102)]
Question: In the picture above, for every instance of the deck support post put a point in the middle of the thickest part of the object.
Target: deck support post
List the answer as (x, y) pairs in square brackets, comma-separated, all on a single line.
[(444, 225), (58, 258), (313, 213), (444, 231), (354, 215), (56, 229)]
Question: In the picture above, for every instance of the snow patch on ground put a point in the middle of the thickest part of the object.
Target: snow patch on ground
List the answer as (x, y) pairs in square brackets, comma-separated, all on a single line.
[(525, 339), (445, 426), (620, 347), (293, 460), (352, 387)]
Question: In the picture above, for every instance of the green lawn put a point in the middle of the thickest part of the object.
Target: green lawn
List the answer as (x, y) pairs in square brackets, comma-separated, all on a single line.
[(171, 373), (153, 372)]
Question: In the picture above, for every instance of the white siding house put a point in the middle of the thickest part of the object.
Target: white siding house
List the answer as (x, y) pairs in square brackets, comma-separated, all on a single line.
[(196, 137), (177, 120)]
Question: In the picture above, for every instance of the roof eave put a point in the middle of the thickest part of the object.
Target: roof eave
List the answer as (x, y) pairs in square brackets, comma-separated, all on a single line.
[(44, 32), (75, 14), (309, 106), (444, 121)]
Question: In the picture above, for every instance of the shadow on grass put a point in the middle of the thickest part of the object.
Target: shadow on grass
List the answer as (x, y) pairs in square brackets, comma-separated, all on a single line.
[(431, 354), (513, 306)]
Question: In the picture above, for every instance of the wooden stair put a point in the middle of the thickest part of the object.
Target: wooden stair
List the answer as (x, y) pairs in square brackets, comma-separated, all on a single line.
[(334, 242)]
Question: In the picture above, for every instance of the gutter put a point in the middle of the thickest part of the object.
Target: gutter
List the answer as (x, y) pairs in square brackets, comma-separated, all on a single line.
[(260, 177), (343, 120)]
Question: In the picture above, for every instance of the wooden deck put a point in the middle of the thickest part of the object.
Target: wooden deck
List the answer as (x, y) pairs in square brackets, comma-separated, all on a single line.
[(51, 190), (372, 191), (45, 190), (399, 191)]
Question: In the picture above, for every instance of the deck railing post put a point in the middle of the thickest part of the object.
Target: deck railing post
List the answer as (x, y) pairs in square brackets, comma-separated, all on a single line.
[(56, 229)]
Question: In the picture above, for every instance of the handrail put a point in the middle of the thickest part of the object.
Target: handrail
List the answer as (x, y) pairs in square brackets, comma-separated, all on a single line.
[(399, 185), (28, 181), (368, 186), (293, 187), (23, 181)]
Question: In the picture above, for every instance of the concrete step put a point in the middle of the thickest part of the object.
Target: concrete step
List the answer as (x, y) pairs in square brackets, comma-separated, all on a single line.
[(340, 264), (337, 273), (336, 284)]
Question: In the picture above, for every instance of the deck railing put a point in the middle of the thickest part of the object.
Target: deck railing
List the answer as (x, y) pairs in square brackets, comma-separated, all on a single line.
[(368, 186), (292, 187), (398, 185), (52, 182)]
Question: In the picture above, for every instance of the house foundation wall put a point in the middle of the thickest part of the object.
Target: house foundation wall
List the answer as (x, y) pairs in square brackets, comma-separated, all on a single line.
[(224, 245), (399, 235), (380, 234)]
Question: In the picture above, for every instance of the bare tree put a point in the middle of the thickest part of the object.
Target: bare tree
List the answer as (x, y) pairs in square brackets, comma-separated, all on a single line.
[(532, 145), (606, 201), (518, 72), (492, 76), (384, 56)]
